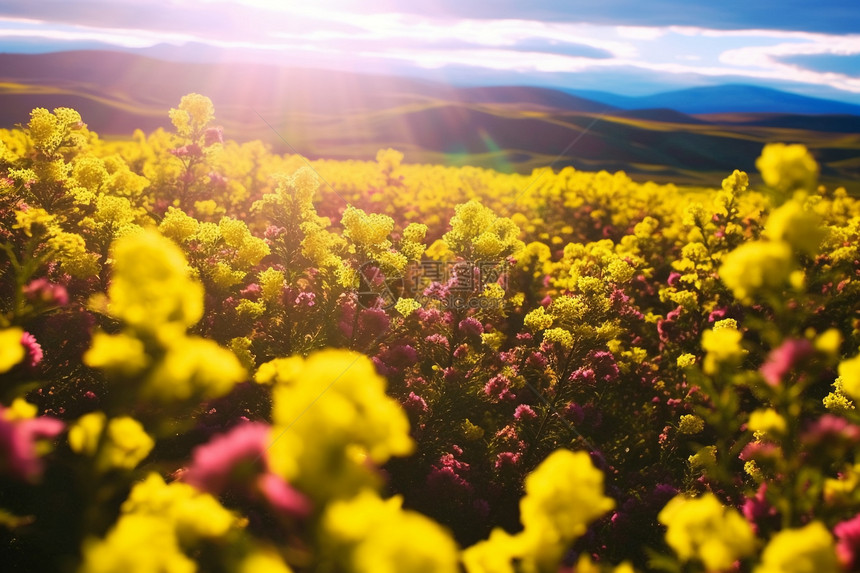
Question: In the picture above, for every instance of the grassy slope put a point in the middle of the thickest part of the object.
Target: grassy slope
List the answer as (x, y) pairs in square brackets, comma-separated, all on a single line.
[(435, 126)]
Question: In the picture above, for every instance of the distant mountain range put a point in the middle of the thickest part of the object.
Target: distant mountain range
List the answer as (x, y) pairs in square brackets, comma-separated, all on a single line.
[(694, 135), (732, 98)]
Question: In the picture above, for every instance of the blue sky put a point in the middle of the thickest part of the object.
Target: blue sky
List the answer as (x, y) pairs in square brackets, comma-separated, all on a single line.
[(633, 47)]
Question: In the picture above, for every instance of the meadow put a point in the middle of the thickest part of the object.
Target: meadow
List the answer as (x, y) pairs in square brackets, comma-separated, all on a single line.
[(216, 357)]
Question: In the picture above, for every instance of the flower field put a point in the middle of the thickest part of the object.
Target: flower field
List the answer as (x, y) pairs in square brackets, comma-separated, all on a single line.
[(215, 358)]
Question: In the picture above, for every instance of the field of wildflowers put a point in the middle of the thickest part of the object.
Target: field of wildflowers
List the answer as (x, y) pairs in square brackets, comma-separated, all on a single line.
[(214, 358)]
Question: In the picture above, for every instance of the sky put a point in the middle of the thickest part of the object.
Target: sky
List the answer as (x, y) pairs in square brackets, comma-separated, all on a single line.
[(629, 47)]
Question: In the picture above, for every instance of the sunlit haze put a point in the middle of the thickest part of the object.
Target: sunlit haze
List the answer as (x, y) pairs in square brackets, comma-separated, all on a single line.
[(631, 48)]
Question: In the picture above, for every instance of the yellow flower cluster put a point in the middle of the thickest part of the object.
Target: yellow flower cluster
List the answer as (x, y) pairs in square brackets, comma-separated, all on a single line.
[(192, 115), (160, 525), (153, 296), (849, 377), (723, 347), (324, 450), (120, 443), (703, 529), (11, 350), (563, 495), (477, 234), (368, 535), (787, 168), (805, 550)]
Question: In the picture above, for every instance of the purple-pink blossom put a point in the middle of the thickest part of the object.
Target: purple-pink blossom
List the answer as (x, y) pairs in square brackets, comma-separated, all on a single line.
[(19, 455), (238, 461), (782, 360)]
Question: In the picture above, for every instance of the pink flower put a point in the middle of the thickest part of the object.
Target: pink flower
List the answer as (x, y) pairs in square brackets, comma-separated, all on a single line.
[(756, 508), (782, 360), (414, 404), (229, 457), (438, 339), (399, 356), (213, 135), (524, 412), (32, 348), (372, 322), (18, 448), (507, 459), (471, 327), (238, 460), (45, 292), (282, 496), (216, 179), (306, 298), (251, 292), (848, 543), (273, 232), (445, 480), (498, 387), (830, 430)]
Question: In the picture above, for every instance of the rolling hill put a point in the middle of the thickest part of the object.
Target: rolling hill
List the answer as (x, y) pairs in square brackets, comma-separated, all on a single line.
[(351, 115)]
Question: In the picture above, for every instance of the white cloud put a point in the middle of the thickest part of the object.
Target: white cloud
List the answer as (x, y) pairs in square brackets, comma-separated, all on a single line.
[(335, 28)]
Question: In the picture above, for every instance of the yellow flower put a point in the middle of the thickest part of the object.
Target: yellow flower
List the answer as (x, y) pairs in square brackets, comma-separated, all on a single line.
[(388, 159), (809, 549), (849, 373), (690, 424), (415, 232), (723, 346), (233, 231), (736, 183), (836, 400), (493, 555), (767, 421), (272, 283), (11, 350), (124, 446), (379, 536), (224, 276), (564, 494), (127, 444), (802, 229), (150, 284), (559, 336), (193, 514), (193, 114), (477, 231), (177, 225), (136, 544), (686, 360), (263, 559), (705, 458), (70, 250), (406, 306), (538, 319), (332, 416), (703, 529), (84, 435), (493, 339), (369, 231), (193, 367), (119, 354), (20, 410), (757, 267), (787, 167)]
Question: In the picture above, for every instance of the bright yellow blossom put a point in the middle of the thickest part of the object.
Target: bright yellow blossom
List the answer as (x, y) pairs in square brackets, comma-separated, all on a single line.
[(809, 549), (703, 529)]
